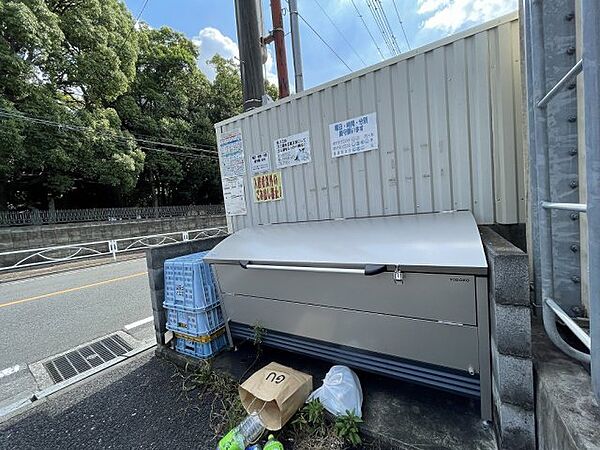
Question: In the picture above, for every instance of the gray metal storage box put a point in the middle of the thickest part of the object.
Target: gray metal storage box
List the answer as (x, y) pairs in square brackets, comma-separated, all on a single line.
[(404, 296)]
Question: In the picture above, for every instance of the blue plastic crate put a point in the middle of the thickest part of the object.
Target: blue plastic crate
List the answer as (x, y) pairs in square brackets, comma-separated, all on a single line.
[(189, 283), (201, 350), (195, 323)]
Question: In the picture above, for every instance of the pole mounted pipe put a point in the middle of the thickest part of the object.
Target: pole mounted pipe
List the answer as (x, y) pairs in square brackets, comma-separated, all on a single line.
[(296, 52), (280, 57)]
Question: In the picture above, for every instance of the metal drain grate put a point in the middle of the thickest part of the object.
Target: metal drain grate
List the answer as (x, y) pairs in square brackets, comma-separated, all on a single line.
[(78, 361)]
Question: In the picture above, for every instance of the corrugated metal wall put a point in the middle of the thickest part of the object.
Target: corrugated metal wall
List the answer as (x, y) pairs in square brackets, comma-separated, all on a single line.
[(449, 125)]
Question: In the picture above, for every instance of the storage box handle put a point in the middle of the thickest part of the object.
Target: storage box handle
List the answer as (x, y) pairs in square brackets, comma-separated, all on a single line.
[(370, 269), (375, 269)]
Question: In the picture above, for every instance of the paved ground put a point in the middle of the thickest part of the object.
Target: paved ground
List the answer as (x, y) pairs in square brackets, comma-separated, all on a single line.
[(46, 315), (136, 405), (141, 404)]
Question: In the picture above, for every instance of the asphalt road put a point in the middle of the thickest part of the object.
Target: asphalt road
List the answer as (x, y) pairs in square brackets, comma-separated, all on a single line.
[(43, 316)]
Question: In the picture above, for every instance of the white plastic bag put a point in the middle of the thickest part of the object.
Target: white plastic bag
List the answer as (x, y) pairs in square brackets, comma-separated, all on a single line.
[(340, 392)]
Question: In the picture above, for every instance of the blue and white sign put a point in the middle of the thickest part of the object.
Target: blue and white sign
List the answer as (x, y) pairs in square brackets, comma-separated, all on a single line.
[(292, 150), (353, 135), (231, 153)]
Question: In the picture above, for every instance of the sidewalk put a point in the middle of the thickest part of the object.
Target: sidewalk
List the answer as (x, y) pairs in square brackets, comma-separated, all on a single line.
[(141, 404)]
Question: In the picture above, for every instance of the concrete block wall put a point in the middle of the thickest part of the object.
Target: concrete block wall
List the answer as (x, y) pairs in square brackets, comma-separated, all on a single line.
[(155, 259), (510, 328), (20, 238), (30, 237)]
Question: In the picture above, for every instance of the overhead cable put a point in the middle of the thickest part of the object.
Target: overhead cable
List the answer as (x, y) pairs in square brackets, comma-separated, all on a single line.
[(401, 25), (387, 24), (367, 28), (381, 26), (340, 33), (324, 41), (61, 126), (65, 126)]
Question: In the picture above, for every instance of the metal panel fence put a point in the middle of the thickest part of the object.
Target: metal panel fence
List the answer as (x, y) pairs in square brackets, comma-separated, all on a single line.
[(449, 123), (37, 217)]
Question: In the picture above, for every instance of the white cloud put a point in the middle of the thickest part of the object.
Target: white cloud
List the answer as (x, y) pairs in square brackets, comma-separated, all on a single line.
[(271, 70), (451, 15), (210, 41)]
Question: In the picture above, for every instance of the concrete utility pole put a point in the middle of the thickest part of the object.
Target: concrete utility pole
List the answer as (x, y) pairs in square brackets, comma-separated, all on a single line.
[(280, 57), (299, 78), (248, 31)]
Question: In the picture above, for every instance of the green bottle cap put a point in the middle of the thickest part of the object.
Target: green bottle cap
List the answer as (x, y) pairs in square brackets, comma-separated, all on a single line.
[(273, 444)]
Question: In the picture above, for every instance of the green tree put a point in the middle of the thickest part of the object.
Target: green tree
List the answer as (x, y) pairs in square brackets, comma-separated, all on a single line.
[(169, 99), (226, 91), (84, 64), (98, 54), (64, 61)]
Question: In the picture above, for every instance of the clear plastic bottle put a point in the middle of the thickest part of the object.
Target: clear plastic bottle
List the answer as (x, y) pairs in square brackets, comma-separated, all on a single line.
[(247, 432)]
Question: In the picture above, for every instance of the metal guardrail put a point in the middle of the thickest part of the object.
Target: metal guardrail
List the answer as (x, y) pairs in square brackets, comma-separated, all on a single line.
[(51, 255), (38, 217)]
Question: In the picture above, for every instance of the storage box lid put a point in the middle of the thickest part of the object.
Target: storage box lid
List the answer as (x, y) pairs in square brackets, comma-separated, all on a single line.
[(447, 242)]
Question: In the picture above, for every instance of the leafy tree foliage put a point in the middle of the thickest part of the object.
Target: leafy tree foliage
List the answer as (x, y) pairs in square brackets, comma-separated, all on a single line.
[(84, 63)]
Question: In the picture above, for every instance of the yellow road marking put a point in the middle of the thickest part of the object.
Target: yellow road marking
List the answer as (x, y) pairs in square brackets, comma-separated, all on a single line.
[(78, 288)]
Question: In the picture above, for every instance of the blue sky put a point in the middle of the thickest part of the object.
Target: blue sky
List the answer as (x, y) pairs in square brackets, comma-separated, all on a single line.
[(211, 24)]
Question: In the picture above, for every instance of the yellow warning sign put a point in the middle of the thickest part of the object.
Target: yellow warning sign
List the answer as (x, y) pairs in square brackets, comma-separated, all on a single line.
[(267, 187)]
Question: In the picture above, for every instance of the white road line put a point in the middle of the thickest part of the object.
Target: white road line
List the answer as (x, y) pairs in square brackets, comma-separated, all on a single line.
[(138, 323), (9, 371)]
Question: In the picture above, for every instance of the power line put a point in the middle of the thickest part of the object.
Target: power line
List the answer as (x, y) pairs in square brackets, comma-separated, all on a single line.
[(324, 41), (367, 28), (185, 155), (43, 121), (381, 27), (62, 127), (387, 23), (401, 25), (135, 24), (383, 24), (163, 139), (137, 19), (340, 33)]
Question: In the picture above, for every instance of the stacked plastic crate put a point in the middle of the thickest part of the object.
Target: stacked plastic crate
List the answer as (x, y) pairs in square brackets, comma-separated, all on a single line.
[(193, 308)]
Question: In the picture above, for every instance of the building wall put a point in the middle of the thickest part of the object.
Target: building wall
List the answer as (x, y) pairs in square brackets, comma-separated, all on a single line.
[(450, 136)]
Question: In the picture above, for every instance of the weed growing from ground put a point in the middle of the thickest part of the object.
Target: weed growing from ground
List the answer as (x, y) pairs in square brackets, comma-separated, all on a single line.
[(258, 334), (221, 390), (346, 427)]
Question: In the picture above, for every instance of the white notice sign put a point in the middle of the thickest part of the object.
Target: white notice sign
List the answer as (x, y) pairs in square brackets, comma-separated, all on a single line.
[(234, 196), (354, 135), (231, 153), (260, 163), (292, 150)]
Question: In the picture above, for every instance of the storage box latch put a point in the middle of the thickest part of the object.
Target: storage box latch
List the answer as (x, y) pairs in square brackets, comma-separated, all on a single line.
[(398, 276)]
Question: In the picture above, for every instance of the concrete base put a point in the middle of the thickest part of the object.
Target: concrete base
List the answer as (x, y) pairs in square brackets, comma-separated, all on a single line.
[(568, 415)]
